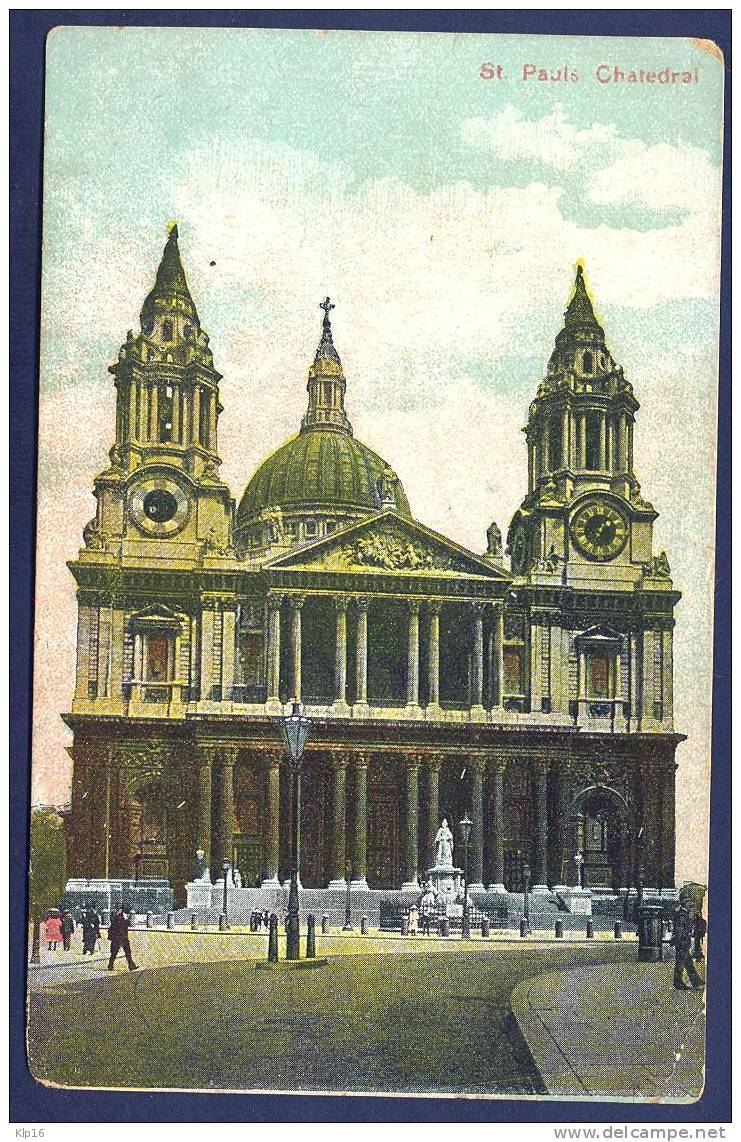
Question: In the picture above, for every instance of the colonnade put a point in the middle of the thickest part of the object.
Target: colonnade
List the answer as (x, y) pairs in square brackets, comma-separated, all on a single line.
[(423, 622)]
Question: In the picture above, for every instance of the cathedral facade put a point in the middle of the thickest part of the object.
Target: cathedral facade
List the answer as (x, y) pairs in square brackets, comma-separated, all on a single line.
[(536, 697)]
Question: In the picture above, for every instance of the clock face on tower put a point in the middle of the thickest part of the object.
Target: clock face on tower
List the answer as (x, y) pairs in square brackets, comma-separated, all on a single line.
[(599, 530), (159, 506)]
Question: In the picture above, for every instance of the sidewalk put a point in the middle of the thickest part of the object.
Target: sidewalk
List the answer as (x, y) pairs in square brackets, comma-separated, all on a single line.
[(618, 1030)]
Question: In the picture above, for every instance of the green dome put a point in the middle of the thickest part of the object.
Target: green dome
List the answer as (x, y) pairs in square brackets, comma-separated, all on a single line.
[(321, 467)]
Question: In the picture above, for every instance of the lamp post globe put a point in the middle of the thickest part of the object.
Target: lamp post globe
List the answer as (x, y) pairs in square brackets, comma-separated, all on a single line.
[(295, 727), (465, 826)]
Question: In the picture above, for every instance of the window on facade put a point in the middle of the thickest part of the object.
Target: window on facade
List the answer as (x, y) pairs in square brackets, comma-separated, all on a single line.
[(600, 671), (554, 443), (592, 458), (203, 420), (310, 527), (167, 331), (157, 658), (165, 425), (187, 330), (587, 363), (291, 527), (513, 672)]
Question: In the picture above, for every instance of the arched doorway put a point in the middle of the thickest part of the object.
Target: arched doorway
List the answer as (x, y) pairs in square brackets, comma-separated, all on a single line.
[(599, 817), (148, 820)]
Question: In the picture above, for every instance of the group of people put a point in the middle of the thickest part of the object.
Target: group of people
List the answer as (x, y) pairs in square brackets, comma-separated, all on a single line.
[(59, 928), (259, 920), (689, 928)]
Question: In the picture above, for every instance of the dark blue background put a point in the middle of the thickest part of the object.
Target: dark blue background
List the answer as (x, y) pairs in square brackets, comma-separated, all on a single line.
[(33, 1103)]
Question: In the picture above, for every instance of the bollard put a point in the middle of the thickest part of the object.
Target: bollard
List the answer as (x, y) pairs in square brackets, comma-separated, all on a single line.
[(444, 926), (310, 938), (222, 922), (363, 925), (273, 939), (618, 930), (559, 929), (523, 927), (36, 943), (325, 924), (170, 921), (590, 929), (485, 928), (150, 920), (193, 922), (405, 925)]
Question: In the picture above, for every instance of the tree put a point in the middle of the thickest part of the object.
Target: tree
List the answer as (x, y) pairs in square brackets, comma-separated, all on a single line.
[(48, 872)]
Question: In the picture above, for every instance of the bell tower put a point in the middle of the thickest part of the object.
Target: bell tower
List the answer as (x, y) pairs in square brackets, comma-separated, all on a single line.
[(583, 515), (163, 479)]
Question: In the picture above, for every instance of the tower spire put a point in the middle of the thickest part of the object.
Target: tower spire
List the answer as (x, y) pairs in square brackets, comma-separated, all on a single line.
[(580, 311), (170, 289), (326, 385)]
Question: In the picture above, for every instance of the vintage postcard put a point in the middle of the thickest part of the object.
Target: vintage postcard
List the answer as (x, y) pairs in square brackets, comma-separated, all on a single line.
[(376, 518)]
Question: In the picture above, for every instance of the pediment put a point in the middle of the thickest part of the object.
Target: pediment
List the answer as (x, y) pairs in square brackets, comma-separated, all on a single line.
[(600, 633), (389, 544), (156, 615)]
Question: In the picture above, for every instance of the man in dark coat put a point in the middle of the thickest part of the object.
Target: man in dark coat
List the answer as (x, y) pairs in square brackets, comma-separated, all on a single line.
[(68, 928), (90, 929), (684, 921), (118, 934)]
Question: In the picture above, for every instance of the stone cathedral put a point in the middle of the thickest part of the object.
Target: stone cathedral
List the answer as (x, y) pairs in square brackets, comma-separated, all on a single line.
[(534, 695)]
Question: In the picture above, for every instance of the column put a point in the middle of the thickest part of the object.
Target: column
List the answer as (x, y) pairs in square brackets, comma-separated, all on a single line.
[(582, 432), (667, 687), (195, 428), (154, 393), (361, 656), (433, 807), (133, 433), (647, 680), (566, 439), (176, 414), (476, 856), (477, 665), (271, 851), (207, 647), (228, 648), (360, 837), (296, 602), (540, 798), (536, 690), (411, 825), (667, 824), (340, 659), (273, 655), (497, 823), (337, 842), (610, 443), (413, 657), (498, 656), (530, 466), (602, 442), (226, 808), (564, 859), (433, 661), (203, 811)]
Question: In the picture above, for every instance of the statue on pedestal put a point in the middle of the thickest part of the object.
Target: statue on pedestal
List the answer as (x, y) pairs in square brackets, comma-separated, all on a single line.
[(444, 846), (201, 870)]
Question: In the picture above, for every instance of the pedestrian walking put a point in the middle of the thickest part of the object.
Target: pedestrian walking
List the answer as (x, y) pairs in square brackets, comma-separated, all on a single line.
[(118, 934), (90, 921), (699, 931), (53, 930), (413, 920), (684, 920), (68, 928), (266, 919)]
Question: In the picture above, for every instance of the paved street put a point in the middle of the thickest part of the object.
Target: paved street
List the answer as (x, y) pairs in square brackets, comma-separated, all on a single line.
[(425, 1018)]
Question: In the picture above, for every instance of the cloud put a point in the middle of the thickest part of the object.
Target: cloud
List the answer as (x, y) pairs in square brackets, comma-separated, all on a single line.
[(552, 141)]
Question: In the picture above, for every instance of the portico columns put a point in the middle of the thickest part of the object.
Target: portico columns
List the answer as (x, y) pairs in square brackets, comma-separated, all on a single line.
[(498, 654), (433, 663), (273, 656), (476, 864), (340, 663), (433, 808), (497, 846), (337, 842), (413, 658), (272, 822), (540, 798), (361, 656), (203, 819), (226, 807), (360, 832), (477, 672), (411, 834), (297, 603)]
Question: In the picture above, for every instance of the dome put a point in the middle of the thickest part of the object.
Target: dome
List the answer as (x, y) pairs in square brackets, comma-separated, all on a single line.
[(321, 468)]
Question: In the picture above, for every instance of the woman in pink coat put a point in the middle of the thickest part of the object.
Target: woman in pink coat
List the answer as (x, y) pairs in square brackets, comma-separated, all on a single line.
[(54, 933)]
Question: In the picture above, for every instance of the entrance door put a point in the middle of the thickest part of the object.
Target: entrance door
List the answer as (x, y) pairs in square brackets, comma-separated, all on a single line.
[(383, 841)]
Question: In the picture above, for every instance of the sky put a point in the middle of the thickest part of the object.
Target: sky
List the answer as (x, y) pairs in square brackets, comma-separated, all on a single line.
[(444, 213)]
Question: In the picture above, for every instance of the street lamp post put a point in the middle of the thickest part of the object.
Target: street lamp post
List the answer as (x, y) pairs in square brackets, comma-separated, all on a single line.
[(295, 732), (348, 921), (465, 826), (579, 861), (526, 905), (224, 872)]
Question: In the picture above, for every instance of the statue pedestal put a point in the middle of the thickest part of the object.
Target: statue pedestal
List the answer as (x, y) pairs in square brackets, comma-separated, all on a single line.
[(446, 882), (199, 893)]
